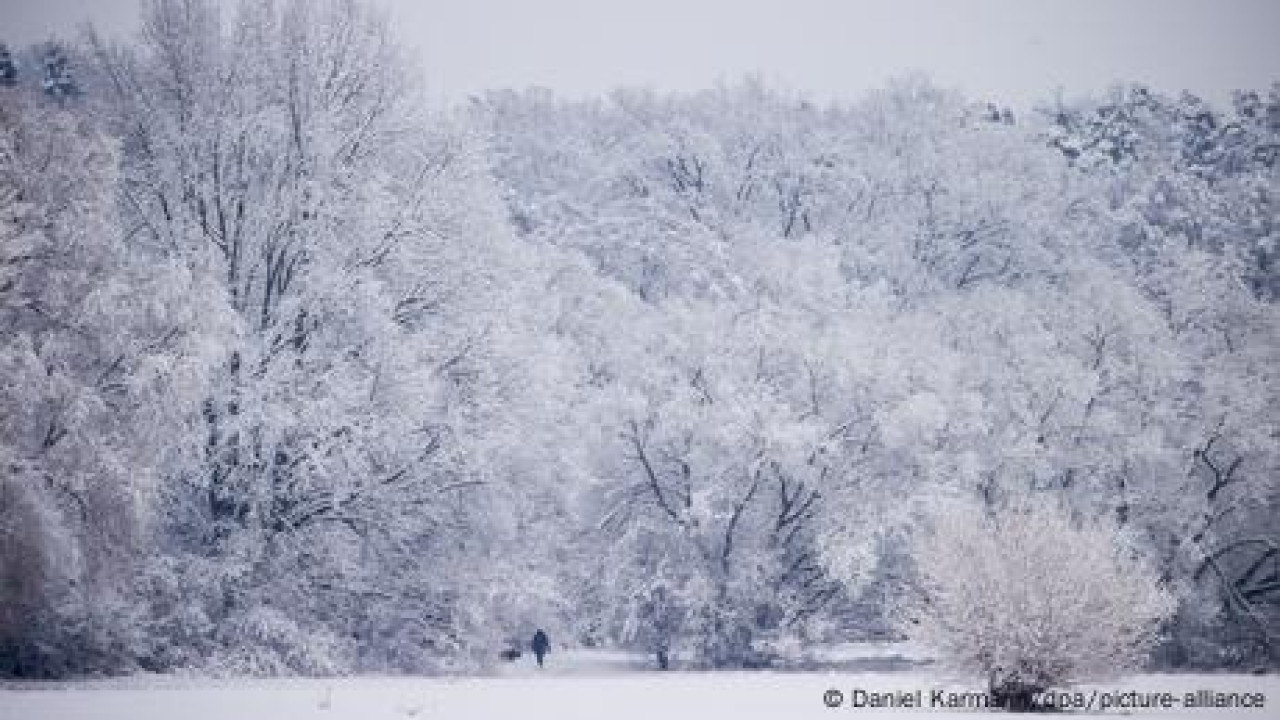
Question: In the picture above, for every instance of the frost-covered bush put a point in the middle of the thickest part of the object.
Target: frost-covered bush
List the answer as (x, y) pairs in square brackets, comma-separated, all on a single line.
[(265, 641), (1032, 599)]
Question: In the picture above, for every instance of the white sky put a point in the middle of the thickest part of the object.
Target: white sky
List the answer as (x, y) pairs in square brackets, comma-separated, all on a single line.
[(1016, 51)]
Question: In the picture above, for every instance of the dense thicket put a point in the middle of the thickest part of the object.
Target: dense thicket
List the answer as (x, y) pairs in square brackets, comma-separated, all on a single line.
[(305, 375), (852, 310)]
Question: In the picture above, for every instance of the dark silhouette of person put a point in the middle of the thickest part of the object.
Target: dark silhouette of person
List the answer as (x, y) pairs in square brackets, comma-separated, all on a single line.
[(541, 644)]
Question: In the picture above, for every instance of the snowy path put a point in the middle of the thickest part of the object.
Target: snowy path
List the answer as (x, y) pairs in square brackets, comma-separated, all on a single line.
[(581, 686)]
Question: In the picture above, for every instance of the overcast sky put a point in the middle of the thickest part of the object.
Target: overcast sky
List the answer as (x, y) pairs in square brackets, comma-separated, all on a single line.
[(1017, 51)]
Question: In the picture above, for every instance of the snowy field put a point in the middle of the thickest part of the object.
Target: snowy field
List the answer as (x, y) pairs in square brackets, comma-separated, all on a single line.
[(576, 686)]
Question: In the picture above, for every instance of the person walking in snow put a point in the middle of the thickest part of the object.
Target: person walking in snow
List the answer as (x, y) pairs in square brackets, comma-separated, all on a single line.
[(541, 644)]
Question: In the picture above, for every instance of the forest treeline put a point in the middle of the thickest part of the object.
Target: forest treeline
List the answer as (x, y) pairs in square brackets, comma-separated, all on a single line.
[(300, 373)]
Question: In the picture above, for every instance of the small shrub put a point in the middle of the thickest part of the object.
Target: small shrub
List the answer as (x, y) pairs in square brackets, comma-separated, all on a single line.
[(1032, 600)]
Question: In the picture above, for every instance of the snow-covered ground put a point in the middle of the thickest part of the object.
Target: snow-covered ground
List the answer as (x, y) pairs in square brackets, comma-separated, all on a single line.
[(576, 685)]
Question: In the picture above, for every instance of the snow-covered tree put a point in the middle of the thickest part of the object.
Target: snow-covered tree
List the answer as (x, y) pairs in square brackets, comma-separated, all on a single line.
[(92, 361), (334, 479), (1031, 599), (1191, 199)]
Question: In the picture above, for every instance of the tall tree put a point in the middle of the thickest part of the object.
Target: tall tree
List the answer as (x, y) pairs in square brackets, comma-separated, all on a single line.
[(90, 362), (346, 242)]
